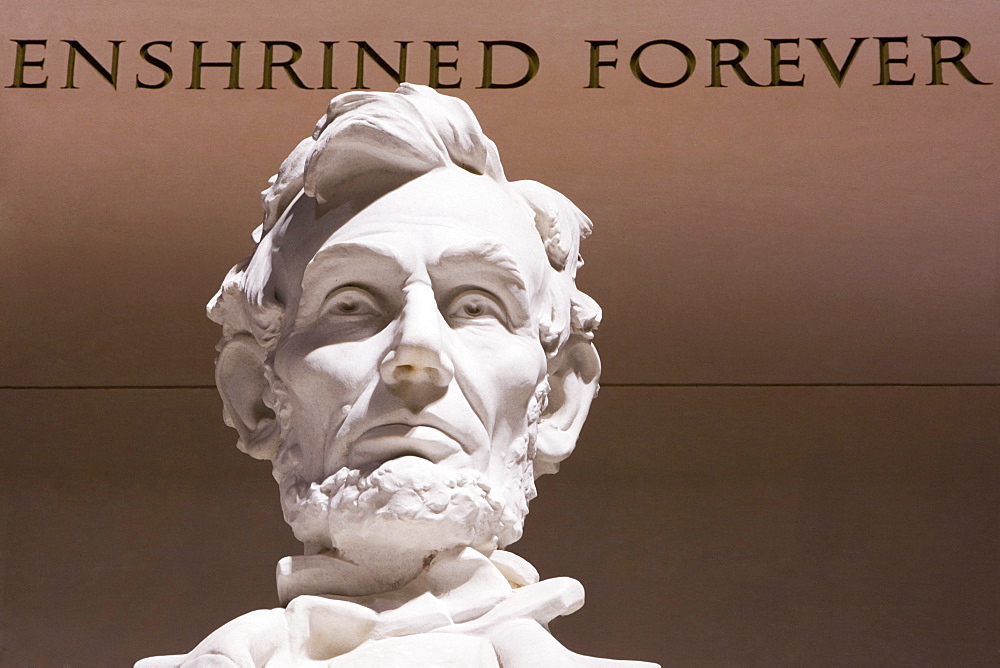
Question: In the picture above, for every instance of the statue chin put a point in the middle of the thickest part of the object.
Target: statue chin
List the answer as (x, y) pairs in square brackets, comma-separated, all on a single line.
[(390, 521)]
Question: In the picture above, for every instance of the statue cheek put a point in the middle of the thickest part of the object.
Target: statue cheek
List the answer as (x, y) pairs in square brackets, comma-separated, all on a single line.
[(330, 368), (519, 368)]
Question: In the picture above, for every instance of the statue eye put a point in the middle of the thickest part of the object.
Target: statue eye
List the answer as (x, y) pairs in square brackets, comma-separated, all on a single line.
[(476, 305), (351, 301)]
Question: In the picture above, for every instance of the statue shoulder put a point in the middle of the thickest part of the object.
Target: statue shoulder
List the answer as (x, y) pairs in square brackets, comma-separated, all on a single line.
[(248, 641), (525, 643)]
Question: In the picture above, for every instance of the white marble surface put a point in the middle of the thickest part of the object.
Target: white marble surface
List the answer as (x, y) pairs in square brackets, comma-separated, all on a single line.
[(408, 347), (462, 610)]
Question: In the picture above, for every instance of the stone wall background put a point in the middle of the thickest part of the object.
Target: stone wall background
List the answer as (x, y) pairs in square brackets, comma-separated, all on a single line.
[(793, 460)]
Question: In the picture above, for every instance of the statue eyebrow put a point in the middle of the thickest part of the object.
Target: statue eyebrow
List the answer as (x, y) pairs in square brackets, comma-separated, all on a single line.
[(328, 267), (347, 249), (491, 253)]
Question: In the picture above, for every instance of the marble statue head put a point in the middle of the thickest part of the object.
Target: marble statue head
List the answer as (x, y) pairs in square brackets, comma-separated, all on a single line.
[(406, 344)]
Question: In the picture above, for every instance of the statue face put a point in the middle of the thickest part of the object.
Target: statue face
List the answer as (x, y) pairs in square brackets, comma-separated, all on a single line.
[(416, 336)]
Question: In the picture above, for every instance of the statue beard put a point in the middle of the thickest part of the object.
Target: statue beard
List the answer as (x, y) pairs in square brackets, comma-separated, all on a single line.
[(408, 508), (406, 505)]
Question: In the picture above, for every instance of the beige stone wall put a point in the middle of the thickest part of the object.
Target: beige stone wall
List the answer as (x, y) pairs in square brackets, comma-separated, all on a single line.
[(793, 458)]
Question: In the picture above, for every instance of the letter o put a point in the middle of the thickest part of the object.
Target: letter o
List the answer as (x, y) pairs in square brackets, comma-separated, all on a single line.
[(641, 76)]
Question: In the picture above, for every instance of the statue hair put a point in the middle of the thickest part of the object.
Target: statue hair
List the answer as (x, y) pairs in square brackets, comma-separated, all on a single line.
[(409, 132)]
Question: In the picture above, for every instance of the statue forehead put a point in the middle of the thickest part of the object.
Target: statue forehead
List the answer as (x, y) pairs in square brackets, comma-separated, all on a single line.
[(447, 206), (468, 205), (440, 212)]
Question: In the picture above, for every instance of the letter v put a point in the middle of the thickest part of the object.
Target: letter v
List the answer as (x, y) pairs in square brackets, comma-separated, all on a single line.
[(838, 73)]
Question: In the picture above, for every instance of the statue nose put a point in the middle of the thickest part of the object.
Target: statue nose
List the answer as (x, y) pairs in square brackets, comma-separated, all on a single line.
[(417, 368)]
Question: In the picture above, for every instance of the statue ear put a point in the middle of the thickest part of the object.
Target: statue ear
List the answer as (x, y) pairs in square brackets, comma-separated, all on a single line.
[(239, 375), (573, 376)]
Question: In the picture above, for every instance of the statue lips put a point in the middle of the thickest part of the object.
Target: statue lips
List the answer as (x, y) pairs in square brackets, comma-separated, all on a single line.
[(392, 441)]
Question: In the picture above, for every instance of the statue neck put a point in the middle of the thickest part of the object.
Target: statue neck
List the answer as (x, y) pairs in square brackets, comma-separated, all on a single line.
[(452, 576)]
